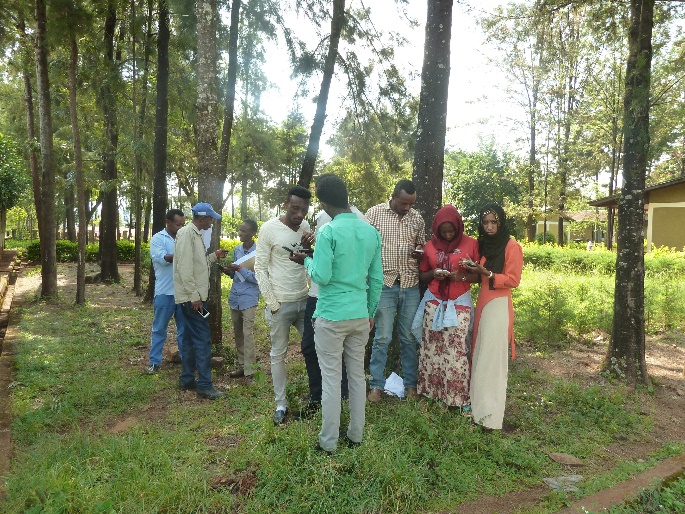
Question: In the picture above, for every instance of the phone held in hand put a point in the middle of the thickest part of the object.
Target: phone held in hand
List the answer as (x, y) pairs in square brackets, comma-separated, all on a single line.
[(441, 272), (204, 312), (308, 251), (470, 263)]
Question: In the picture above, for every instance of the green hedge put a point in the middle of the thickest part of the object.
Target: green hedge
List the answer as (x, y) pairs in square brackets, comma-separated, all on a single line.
[(67, 251), (598, 261)]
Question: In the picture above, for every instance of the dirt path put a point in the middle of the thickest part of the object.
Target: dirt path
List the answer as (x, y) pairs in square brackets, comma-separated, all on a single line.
[(666, 406)]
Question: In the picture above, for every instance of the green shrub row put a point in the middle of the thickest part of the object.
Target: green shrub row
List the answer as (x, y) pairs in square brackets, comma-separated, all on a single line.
[(552, 308), (67, 251), (598, 261)]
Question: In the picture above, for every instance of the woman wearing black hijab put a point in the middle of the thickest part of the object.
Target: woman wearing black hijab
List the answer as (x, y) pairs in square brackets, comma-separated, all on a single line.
[(500, 267)]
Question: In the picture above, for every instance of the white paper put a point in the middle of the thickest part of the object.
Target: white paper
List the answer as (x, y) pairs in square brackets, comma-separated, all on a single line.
[(394, 385)]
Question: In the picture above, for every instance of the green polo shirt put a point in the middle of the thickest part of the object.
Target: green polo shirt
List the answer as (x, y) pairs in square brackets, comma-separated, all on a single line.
[(347, 267)]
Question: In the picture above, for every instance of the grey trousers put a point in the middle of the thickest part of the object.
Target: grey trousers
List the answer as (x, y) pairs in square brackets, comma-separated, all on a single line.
[(243, 329), (335, 341)]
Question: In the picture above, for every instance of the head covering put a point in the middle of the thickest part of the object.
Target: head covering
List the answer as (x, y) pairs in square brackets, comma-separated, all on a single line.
[(204, 209), (443, 247), (492, 246)]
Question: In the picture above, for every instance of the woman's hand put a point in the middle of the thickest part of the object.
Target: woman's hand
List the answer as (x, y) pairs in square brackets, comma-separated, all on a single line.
[(469, 264), (440, 275)]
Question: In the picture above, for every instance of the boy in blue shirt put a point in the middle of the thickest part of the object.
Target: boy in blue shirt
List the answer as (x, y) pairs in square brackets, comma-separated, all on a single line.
[(243, 300)]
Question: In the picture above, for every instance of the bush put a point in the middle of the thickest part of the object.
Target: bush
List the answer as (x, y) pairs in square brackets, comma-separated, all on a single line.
[(67, 251), (548, 238)]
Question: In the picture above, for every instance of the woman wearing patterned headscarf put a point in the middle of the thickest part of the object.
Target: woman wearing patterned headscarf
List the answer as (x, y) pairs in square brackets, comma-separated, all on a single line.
[(443, 319), (500, 266)]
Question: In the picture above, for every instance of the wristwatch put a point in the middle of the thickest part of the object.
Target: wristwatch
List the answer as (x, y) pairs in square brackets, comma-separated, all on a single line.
[(490, 275)]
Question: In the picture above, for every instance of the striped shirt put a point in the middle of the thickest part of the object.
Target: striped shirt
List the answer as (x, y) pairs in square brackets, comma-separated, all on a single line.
[(400, 236)]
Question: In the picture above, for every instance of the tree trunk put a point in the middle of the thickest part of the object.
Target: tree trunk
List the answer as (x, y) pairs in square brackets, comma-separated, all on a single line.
[(78, 168), (110, 210), (626, 356), (229, 106), (47, 199), (209, 184), (429, 155), (309, 163), (140, 134), (159, 180), (31, 131)]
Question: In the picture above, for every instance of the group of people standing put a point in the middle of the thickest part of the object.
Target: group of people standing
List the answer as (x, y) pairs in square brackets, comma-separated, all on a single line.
[(355, 275)]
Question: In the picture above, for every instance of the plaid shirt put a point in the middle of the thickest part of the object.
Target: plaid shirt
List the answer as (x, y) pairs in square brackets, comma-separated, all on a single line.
[(399, 236)]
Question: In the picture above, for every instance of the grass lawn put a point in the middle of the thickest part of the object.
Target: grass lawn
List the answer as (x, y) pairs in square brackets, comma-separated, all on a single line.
[(92, 433)]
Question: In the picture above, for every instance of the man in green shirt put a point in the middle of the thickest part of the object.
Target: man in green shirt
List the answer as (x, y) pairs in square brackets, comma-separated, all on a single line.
[(347, 267)]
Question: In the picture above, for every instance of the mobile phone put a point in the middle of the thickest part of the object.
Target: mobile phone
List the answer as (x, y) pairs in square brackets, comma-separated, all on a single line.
[(441, 272), (308, 251), (204, 312), (470, 263)]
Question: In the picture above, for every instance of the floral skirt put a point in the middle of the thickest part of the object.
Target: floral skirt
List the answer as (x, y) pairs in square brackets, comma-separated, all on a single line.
[(444, 373)]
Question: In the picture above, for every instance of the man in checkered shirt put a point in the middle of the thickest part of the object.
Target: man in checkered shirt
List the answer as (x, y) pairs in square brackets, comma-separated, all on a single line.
[(403, 234)]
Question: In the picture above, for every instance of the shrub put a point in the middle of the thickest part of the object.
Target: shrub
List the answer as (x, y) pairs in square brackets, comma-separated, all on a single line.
[(67, 251), (547, 238)]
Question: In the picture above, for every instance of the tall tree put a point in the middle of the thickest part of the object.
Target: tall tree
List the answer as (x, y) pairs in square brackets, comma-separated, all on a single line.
[(110, 210), (47, 200), (429, 154), (78, 168), (159, 180), (626, 355), (210, 185), (337, 24)]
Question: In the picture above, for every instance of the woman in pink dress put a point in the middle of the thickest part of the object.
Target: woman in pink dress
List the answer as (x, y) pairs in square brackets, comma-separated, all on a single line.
[(444, 317)]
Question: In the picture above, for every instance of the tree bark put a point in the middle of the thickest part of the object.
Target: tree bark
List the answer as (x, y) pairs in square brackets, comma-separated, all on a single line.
[(78, 168), (626, 355), (209, 183), (309, 163), (31, 129), (47, 198), (110, 210), (140, 134), (429, 155), (229, 104)]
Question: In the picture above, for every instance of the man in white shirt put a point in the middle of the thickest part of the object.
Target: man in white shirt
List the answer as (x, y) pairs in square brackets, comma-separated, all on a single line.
[(283, 283)]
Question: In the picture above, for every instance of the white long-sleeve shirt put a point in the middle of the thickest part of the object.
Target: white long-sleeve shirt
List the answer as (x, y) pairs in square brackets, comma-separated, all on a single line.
[(279, 278)]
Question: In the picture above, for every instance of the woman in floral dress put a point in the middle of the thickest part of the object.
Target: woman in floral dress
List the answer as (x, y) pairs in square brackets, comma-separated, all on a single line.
[(444, 316)]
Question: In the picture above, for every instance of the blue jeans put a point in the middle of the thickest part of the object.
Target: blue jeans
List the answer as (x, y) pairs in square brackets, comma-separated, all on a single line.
[(402, 302), (164, 309), (197, 349)]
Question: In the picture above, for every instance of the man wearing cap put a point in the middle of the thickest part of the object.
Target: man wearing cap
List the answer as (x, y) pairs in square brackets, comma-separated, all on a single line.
[(191, 289)]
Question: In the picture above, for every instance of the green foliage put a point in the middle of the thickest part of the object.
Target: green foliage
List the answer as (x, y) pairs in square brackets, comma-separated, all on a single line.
[(550, 257), (546, 238), (665, 498), (474, 178), (14, 183), (67, 251)]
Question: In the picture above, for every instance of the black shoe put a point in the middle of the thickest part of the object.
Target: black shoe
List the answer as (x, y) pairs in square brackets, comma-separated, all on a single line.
[(152, 369), (321, 450), (210, 393), (349, 442), (308, 411), (188, 386), (239, 373), (279, 417)]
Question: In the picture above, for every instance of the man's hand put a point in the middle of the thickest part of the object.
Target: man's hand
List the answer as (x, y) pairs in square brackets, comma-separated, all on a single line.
[(298, 257), (371, 324), (220, 254), (307, 239), (233, 267), (196, 305), (169, 257), (417, 253)]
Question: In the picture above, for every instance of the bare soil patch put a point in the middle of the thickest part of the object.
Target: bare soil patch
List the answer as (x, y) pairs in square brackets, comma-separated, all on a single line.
[(666, 406)]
